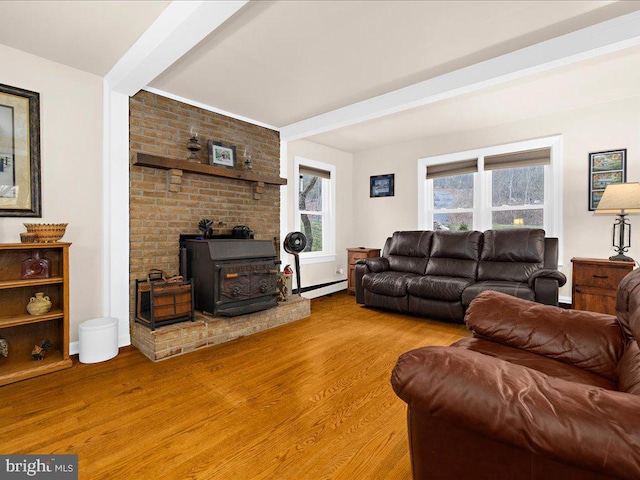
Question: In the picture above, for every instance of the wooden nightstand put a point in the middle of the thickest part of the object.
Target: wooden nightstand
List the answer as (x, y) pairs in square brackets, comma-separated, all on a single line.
[(353, 255), (595, 283)]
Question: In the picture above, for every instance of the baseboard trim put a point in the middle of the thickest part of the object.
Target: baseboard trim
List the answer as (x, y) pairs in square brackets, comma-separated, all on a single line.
[(322, 290), (565, 301)]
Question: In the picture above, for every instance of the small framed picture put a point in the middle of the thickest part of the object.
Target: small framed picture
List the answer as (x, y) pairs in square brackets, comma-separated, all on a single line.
[(605, 168), (381, 185), (221, 154)]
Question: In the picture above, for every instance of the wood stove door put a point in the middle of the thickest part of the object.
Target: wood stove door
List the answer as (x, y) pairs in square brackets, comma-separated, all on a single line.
[(244, 281)]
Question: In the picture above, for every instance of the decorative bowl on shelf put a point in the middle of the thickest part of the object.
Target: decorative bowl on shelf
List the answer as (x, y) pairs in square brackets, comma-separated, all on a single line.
[(47, 232), (26, 237)]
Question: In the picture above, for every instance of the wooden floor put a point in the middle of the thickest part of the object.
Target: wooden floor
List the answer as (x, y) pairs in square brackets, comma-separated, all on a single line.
[(308, 400)]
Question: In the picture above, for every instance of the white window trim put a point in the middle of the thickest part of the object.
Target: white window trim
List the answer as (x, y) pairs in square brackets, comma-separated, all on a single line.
[(328, 253), (553, 183)]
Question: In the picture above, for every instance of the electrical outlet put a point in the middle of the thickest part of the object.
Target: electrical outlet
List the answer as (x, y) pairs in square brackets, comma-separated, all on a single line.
[(339, 270)]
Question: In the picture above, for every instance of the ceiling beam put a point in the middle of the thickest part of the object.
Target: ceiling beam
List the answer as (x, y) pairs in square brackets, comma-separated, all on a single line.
[(179, 28), (601, 39)]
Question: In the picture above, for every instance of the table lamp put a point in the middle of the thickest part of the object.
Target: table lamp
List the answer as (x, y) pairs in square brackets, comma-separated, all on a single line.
[(620, 199)]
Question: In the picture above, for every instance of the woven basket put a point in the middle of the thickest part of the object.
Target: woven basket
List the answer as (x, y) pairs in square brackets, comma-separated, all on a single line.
[(47, 232), (26, 237)]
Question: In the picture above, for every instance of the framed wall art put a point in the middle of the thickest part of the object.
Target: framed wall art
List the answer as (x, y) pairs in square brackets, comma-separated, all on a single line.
[(222, 155), (19, 153), (605, 168), (381, 185)]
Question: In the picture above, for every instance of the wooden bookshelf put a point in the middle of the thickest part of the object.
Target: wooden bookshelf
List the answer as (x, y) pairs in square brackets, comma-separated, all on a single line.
[(20, 329)]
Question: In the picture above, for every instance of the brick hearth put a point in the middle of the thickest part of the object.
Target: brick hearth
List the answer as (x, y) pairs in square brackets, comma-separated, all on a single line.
[(206, 331)]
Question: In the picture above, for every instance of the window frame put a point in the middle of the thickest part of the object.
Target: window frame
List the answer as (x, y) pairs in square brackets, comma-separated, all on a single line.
[(482, 184), (328, 253)]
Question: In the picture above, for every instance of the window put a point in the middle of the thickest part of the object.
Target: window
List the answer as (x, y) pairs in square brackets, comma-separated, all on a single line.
[(453, 193), (509, 186), (315, 216)]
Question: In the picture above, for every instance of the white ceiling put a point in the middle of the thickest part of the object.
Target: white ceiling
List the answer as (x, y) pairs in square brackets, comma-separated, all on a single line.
[(599, 80), (88, 35), (280, 62)]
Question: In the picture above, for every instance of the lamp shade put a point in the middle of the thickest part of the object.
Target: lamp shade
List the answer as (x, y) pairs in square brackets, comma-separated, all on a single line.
[(620, 199)]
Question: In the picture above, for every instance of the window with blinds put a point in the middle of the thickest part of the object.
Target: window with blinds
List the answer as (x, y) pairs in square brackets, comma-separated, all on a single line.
[(505, 190), (453, 193), (314, 215), (517, 187)]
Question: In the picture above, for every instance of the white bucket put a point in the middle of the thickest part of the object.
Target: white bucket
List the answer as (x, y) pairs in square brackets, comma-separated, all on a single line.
[(98, 339)]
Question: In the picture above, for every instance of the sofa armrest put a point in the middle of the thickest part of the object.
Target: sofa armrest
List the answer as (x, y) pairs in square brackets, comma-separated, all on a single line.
[(375, 264), (364, 266), (546, 283), (547, 273), (588, 340), (546, 291), (581, 425)]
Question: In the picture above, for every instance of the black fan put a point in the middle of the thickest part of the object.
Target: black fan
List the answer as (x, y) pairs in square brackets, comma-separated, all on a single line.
[(294, 243)]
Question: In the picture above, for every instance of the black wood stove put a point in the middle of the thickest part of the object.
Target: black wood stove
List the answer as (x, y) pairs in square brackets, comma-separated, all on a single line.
[(230, 276)]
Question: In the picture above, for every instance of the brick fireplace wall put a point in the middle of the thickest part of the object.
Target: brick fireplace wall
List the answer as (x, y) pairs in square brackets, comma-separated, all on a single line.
[(161, 126)]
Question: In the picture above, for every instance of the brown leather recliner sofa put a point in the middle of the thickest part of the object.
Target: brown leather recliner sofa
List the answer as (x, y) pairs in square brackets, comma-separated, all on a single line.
[(438, 273), (537, 393)]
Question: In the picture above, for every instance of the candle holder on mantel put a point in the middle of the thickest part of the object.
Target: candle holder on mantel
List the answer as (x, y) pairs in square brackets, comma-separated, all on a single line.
[(248, 153), (193, 146)]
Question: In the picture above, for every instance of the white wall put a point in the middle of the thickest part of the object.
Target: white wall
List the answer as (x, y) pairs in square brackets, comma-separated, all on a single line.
[(606, 126), (319, 273), (71, 111)]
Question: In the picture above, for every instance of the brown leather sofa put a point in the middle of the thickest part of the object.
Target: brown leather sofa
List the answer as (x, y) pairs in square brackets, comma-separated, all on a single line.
[(538, 392), (438, 274)]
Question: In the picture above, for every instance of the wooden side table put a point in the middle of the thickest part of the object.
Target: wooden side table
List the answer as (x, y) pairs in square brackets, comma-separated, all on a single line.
[(595, 283), (353, 255)]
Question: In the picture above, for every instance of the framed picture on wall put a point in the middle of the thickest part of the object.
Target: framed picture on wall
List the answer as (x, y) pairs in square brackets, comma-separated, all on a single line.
[(19, 153), (222, 155), (605, 168), (381, 185)]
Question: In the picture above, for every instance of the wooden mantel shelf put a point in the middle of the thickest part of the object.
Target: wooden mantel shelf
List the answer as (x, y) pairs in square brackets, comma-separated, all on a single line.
[(146, 160)]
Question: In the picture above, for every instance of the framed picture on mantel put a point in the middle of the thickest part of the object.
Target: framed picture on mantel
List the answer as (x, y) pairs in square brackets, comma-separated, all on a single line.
[(222, 155), (19, 153)]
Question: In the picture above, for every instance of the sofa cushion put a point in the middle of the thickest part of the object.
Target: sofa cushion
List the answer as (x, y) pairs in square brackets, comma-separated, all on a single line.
[(409, 251), (398, 304), (546, 365), (390, 283), (515, 289), (439, 309), (455, 254), (438, 288), (514, 245), (629, 369), (511, 255)]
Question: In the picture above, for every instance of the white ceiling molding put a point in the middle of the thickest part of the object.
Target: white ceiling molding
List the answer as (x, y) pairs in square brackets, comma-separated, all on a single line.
[(181, 26), (607, 37), (209, 108)]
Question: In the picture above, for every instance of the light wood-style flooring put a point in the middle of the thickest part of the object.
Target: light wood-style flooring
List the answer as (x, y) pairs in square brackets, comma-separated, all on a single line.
[(308, 400)]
